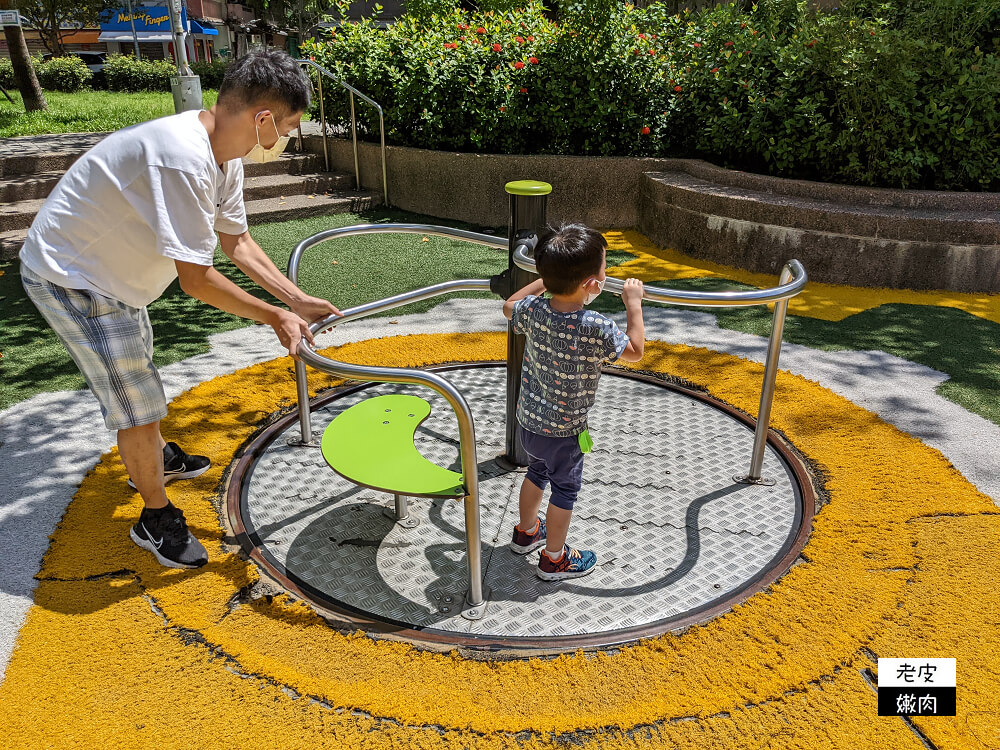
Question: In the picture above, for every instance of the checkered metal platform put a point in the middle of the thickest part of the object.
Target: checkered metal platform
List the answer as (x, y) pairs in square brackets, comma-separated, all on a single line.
[(673, 533)]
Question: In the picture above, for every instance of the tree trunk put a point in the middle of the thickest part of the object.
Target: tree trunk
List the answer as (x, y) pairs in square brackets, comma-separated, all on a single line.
[(24, 74), (57, 46)]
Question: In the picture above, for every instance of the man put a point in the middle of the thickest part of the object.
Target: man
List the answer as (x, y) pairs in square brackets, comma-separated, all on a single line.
[(136, 211)]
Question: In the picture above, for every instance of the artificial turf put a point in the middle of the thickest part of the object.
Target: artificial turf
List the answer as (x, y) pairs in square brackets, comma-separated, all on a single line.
[(347, 272)]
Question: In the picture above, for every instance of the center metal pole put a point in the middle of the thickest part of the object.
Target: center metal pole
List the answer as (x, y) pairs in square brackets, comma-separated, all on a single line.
[(528, 204)]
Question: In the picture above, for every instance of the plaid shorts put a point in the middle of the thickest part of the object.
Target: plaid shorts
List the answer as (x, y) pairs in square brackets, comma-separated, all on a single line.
[(111, 343)]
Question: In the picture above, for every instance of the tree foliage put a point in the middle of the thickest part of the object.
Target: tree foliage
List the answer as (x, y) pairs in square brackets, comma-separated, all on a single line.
[(47, 17)]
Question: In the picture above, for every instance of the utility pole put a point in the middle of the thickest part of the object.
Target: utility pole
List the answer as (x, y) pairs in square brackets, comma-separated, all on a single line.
[(186, 86), (24, 73)]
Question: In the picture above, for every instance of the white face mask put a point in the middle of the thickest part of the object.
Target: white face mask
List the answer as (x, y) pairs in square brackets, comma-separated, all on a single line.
[(591, 297), (263, 155)]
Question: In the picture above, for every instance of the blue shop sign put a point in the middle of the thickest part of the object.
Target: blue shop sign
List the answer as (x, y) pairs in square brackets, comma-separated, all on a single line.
[(146, 19)]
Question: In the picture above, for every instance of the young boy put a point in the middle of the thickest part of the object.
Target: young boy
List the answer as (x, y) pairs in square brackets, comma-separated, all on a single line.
[(565, 346)]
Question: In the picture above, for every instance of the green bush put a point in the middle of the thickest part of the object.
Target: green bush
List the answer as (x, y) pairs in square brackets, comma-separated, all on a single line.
[(125, 73), (211, 73), (7, 73), (869, 94), (63, 74)]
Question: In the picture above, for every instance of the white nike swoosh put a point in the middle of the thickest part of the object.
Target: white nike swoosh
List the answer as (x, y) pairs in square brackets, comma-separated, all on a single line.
[(156, 543)]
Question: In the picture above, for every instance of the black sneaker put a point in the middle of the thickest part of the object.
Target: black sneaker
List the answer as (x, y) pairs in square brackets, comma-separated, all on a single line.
[(165, 533), (179, 465)]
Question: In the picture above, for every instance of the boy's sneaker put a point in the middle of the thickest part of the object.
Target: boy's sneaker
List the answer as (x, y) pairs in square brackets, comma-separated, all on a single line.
[(179, 465), (165, 533), (523, 542), (572, 564)]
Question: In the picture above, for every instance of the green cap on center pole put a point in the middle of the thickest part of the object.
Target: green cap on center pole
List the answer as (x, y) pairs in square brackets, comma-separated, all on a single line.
[(528, 203), (528, 187)]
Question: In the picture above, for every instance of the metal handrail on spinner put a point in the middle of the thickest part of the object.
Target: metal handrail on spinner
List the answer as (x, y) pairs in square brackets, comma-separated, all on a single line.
[(793, 278)]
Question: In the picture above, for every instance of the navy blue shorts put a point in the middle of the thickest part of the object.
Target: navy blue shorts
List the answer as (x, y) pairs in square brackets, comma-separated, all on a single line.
[(558, 460)]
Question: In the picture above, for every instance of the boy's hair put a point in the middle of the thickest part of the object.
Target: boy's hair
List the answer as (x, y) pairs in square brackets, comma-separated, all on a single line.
[(567, 255), (265, 76)]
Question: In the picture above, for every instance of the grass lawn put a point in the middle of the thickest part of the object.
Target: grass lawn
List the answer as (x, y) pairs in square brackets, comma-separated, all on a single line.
[(86, 112)]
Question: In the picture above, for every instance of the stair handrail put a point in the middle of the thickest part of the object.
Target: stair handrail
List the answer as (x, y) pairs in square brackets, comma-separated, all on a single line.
[(354, 123)]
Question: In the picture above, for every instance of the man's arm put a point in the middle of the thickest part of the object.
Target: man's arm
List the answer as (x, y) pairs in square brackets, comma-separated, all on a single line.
[(536, 287), (211, 287), (248, 256)]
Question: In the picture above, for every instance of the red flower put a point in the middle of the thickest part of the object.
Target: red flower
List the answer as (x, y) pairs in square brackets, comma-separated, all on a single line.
[(450, 45), (497, 48), (696, 44), (531, 38), (872, 33), (642, 36), (715, 70), (728, 44), (635, 52), (519, 39), (645, 131), (652, 52), (743, 25), (480, 30), (523, 90), (533, 60), (462, 26), (518, 65), (503, 109), (677, 88), (812, 43), (462, 38)]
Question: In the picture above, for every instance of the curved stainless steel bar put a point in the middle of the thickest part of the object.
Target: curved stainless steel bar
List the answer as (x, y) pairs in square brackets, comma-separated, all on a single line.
[(467, 440), (475, 601), (362, 311), (694, 298), (405, 298)]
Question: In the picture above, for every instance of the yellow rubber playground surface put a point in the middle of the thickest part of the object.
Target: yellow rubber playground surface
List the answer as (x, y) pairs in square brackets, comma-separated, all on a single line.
[(902, 562)]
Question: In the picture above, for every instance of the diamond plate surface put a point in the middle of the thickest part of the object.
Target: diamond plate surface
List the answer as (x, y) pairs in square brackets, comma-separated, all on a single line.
[(673, 533)]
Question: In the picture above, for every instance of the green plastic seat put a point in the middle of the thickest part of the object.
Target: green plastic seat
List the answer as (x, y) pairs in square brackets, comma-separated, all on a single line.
[(371, 444)]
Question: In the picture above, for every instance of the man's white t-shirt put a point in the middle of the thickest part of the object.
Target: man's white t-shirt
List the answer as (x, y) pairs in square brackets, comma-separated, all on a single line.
[(140, 199)]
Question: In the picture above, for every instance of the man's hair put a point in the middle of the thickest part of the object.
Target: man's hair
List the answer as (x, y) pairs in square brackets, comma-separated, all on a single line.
[(265, 76), (567, 255)]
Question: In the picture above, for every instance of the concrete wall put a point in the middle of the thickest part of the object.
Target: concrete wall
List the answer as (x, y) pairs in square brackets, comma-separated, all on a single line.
[(903, 239)]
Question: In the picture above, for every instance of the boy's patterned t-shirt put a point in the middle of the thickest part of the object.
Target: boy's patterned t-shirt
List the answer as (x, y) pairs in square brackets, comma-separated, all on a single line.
[(562, 364)]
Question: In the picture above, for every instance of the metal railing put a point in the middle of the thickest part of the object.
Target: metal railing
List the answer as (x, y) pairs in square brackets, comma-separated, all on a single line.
[(475, 603), (354, 123)]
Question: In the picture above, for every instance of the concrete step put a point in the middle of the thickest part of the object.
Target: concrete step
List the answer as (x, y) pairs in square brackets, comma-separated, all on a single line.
[(20, 214), (314, 204), (274, 186), (10, 243), (882, 222), (287, 163), (28, 187), (19, 204)]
